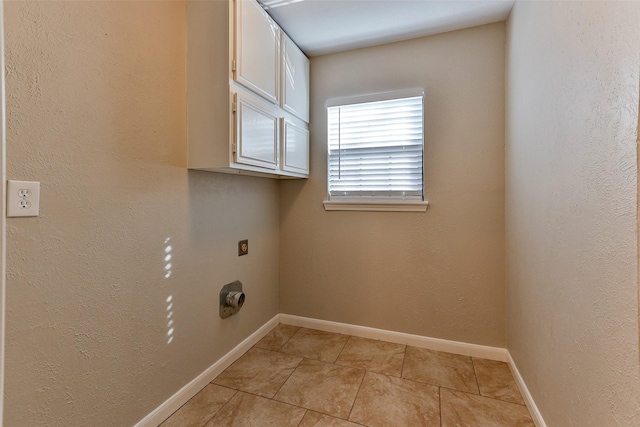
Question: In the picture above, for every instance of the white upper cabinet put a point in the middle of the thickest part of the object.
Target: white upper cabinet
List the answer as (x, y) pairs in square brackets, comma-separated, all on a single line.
[(257, 50), (295, 79), (247, 92)]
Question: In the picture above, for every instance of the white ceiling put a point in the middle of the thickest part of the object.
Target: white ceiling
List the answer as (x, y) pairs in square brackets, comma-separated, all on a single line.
[(327, 26)]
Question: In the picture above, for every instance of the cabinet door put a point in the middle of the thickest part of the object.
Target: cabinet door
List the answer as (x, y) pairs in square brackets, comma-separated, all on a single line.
[(257, 50), (256, 133), (295, 76), (296, 148)]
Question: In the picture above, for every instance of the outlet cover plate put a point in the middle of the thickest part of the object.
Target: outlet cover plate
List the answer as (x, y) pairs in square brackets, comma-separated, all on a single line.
[(23, 198)]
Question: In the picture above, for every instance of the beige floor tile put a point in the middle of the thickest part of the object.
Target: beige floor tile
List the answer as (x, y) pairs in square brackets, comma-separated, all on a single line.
[(278, 336), (495, 381), (315, 419), (259, 371), (246, 410), (462, 409), (389, 401), (318, 345), (201, 408), (377, 356), (440, 368), (323, 387)]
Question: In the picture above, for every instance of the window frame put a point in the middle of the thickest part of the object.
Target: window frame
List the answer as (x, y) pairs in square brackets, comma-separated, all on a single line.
[(373, 203)]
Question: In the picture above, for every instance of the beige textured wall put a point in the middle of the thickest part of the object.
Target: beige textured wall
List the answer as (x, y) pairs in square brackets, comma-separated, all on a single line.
[(572, 276), (439, 273), (96, 113)]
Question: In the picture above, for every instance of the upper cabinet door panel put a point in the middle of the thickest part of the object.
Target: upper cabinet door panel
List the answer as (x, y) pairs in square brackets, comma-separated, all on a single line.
[(257, 50), (296, 148), (295, 75), (256, 132)]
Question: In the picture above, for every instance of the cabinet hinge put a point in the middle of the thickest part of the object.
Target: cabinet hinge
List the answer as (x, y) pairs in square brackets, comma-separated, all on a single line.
[(233, 107), (233, 65), (233, 148)]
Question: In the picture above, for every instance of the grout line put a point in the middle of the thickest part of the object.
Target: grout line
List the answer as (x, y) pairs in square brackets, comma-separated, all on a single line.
[(187, 402), (404, 358), (224, 386), (475, 369), (280, 401), (285, 381), (302, 419), (475, 375), (288, 339), (343, 347), (484, 397), (357, 393), (275, 401), (415, 381), (225, 404), (440, 403)]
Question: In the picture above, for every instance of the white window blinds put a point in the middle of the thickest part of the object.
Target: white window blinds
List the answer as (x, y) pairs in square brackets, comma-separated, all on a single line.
[(375, 149)]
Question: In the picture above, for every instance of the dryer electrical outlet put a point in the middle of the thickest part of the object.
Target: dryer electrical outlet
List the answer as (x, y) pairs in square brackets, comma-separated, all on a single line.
[(243, 247)]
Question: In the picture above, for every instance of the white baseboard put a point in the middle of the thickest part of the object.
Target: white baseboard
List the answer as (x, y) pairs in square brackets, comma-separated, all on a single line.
[(474, 350), (162, 412), (524, 391)]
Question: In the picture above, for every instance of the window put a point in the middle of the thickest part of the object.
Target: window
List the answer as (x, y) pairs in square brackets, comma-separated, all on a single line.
[(375, 156)]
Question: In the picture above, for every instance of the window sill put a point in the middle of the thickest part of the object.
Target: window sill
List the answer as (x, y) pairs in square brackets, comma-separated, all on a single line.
[(377, 206)]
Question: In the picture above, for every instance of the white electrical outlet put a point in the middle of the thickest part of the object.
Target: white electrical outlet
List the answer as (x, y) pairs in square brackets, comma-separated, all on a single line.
[(23, 198)]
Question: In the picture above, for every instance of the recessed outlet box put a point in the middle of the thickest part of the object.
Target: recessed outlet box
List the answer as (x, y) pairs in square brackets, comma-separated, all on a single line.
[(243, 247), (231, 299), (23, 198)]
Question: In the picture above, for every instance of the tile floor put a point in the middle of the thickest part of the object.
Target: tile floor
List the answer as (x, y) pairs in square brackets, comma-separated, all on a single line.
[(304, 377)]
